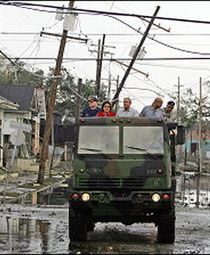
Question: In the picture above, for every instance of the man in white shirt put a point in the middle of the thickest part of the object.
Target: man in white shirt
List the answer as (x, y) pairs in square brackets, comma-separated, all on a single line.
[(127, 111)]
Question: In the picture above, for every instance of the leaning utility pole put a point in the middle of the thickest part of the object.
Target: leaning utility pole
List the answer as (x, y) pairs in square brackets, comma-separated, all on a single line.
[(134, 57), (51, 105)]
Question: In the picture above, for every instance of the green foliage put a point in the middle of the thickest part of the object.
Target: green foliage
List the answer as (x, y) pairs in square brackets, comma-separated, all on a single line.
[(20, 76), (189, 108), (67, 92)]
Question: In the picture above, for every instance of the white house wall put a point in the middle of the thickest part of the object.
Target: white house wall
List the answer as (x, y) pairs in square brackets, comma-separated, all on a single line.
[(1, 135), (8, 117)]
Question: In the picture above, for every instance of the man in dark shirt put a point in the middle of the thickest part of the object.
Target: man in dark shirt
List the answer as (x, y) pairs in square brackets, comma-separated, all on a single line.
[(167, 111), (92, 109)]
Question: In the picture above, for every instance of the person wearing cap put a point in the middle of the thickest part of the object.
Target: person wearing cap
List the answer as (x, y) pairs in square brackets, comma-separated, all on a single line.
[(92, 109), (127, 110), (153, 111), (167, 111)]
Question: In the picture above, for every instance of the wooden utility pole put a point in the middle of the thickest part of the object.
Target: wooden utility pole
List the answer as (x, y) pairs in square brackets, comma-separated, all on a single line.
[(179, 147), (51, 106), (134, 57), (77, 110), (99, 65), (117, 87), (119, 62), (178, 100), (199, 148)]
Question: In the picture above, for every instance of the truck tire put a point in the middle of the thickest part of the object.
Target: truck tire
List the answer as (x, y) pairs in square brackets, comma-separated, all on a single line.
[(166, 226), (77, 227)]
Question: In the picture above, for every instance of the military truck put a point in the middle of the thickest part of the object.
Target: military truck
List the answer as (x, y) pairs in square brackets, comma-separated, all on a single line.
[(124, 171)]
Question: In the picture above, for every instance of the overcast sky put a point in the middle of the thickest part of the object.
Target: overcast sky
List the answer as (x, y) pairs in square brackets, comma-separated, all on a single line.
[(163, 75)]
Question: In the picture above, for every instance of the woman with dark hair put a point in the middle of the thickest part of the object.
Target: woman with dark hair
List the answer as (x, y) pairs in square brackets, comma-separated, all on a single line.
[(106, 110)]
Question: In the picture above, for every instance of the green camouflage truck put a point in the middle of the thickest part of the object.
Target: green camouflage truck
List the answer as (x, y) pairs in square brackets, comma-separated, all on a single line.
[(124, 171)]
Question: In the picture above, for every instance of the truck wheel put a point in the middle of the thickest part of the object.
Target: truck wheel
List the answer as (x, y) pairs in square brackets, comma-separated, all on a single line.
[(77, 227), (166, 227)]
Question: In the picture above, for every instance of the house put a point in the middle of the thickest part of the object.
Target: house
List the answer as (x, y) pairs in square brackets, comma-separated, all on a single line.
[(4, 106), (192, 141), (31, 107)]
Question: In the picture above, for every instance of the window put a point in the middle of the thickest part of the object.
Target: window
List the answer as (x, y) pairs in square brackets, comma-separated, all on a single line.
[(143, 140), (98, 139)]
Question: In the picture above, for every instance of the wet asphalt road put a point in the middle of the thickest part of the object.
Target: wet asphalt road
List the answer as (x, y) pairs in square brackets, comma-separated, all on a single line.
[(30, 230)]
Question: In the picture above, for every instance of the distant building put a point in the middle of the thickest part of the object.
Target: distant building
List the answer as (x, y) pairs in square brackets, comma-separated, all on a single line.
[(31, 108), (192, 141)]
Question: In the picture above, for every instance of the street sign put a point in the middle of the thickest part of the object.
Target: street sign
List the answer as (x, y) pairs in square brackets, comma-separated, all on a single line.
[(20, 126), (17, 137)]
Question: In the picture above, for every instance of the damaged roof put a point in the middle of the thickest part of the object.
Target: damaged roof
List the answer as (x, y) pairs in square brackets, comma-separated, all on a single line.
[(19, 94)]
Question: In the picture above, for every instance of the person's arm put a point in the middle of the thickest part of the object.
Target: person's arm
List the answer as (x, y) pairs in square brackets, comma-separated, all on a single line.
[(160, 114), (83, 112), (136, 113), (142, 113)]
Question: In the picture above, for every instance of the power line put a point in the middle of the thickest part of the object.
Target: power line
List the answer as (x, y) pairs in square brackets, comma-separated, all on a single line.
[(111, 59), (164, 44), (21, 67), (178, 67), (152, 38), (85, 11), (111, 34)]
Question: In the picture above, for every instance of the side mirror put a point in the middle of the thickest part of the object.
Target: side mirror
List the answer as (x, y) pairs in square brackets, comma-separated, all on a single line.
[(180, 137)]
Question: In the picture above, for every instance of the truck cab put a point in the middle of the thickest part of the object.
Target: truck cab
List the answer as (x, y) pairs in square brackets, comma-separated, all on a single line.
[(124, 171)]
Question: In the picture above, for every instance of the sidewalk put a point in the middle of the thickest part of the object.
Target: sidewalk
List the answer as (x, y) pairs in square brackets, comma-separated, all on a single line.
[(22, 187)]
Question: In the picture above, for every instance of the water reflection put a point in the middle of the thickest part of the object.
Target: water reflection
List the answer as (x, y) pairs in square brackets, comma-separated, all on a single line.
[(127, 240), (45, 230), (23, 235), (43, 227)]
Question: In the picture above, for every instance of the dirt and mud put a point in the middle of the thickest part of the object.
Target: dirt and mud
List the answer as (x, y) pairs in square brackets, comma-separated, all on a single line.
[(38, 230)]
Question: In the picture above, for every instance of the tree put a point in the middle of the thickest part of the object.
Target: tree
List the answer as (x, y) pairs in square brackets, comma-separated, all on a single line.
[(189, 111), (67, 92), (20, 74)]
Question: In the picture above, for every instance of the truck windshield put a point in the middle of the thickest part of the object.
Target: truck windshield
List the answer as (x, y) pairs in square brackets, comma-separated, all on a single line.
[(143, 140), (98, 140)]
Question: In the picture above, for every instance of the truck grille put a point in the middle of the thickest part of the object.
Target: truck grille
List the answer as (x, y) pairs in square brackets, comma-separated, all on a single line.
[(110, 183)]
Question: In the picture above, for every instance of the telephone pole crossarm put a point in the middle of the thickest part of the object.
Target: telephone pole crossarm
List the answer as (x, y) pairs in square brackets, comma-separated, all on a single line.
[(117, 61), (59, 35)]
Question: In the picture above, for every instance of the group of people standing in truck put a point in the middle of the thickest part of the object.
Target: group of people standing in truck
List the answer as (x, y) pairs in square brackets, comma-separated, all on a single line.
[(155, 110)]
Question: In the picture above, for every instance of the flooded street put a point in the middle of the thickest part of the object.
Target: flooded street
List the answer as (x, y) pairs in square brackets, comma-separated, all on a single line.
[(33, 230), (38, 230)]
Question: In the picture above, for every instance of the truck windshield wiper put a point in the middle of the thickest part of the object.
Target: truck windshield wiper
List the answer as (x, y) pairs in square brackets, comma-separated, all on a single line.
[(142, 149), (89, 149)]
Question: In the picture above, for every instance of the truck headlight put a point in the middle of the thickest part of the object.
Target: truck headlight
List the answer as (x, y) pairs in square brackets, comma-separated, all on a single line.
[(155, 197), (85, 197)]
